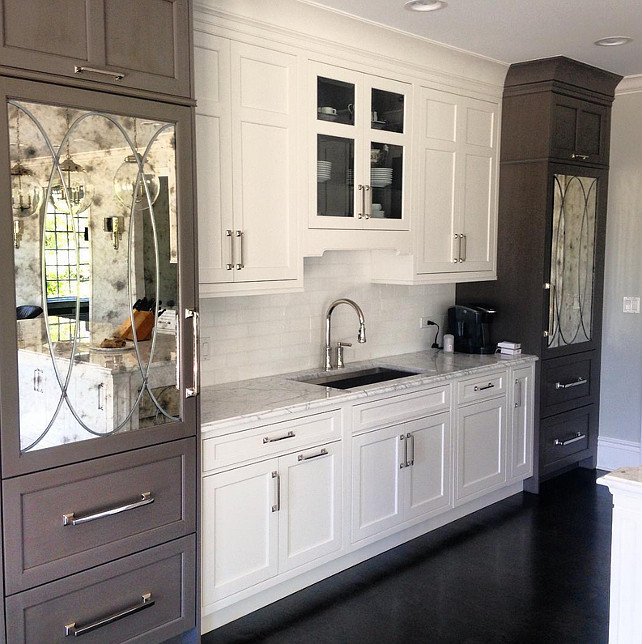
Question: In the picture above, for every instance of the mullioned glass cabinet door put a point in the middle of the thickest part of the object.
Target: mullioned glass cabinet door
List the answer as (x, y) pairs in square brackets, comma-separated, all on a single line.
[(97, 277)]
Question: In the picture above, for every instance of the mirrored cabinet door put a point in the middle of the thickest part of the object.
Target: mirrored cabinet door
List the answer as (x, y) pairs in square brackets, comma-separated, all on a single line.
[(96, 210), (572, 263)]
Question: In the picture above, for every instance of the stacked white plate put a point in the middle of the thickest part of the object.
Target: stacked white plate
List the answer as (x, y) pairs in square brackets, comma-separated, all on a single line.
[(350, 177), (380, 177), (324, 171)]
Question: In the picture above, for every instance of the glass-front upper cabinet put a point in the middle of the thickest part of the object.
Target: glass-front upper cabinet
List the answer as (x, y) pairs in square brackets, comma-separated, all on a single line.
[(572, 281), (361, 147), (97, 265)]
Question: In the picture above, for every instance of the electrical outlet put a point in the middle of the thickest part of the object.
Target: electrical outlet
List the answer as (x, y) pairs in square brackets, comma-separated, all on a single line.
[(423, 323), (205, 349)]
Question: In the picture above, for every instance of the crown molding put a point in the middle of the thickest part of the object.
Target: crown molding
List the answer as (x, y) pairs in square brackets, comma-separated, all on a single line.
[(629, 85)]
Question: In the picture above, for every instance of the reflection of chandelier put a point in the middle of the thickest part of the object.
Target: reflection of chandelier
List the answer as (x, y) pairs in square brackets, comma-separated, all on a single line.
[(76, 192), (130, 182), (26, 194)]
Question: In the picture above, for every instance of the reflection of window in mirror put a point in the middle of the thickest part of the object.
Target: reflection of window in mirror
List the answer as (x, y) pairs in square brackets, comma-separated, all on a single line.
[(67, 272)]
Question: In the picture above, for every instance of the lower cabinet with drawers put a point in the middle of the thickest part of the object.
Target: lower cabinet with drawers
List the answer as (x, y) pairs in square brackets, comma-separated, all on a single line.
[(289, 503)]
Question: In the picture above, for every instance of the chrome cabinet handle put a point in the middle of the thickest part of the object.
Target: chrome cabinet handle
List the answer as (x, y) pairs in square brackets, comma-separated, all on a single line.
[(578, 436), (192, 391), (458, 253), (72, 629), (462, 244), (366, 214), (404, 461), (277, 491), (575, 383), (490, 385), (80, 69), (551, 294), (410, 442), (101, 396), (71, 519), (362, 189), (229, 266), (268, 439), (240, 265), (518, 393), (302, 457), (582, 157)]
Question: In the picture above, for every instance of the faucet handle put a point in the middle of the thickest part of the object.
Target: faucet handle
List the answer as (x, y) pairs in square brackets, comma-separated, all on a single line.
[(340, 346)]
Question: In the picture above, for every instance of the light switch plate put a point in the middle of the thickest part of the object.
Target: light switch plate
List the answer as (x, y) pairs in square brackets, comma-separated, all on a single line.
[(631, 305)]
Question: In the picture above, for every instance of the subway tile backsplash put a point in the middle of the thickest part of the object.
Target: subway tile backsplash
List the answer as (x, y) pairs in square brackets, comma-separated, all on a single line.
[(262, 335)]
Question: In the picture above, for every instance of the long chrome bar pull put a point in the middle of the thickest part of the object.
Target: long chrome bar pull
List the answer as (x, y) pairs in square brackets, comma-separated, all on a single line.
[(192, 391)]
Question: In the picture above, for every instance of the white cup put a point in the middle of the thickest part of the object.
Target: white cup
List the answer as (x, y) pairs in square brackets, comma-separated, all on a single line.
[(449, 343), (327, 110), (376, 207)]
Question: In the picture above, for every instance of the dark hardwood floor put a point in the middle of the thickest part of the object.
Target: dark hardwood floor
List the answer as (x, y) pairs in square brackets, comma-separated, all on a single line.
[(530, 569)]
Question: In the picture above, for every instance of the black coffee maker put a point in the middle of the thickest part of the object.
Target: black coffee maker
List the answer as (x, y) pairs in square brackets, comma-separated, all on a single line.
[(471, 327)]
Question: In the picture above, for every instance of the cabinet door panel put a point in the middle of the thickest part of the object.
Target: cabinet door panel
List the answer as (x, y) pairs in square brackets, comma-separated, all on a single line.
[(376, 466), (481, 449), (264, 134), (239, 529), (521, 437), (310, 516), (428, 478)]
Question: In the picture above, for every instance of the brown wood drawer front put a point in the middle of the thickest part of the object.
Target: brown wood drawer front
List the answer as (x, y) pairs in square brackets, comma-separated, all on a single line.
[(40, 548), (396, 409), (166, 573), (481, 387), (567, 383), (270, 440), (566, 435)]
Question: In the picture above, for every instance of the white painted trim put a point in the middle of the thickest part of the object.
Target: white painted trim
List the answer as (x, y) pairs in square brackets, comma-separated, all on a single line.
[(613, 453), (629, 85)]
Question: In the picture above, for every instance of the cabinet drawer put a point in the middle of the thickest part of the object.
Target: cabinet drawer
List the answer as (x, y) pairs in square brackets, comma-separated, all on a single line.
[(269, 440), (567, 383), (481, 387), (165, 573), (396, 409), (565, 436), (39, 547)]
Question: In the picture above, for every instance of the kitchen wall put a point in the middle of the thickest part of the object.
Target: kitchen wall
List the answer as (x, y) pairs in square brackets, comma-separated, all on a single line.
[(621, 383), (262, 335)]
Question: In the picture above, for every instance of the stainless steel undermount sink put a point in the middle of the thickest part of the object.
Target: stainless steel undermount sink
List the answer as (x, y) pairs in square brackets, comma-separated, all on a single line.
[(360, 378)]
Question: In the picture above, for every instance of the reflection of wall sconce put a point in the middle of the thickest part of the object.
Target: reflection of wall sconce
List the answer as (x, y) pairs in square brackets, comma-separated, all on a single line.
[(18, 229), (114, 226)]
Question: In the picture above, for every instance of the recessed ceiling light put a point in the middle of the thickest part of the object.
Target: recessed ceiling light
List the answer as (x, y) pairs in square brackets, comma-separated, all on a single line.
[(613, 41), (425, 5)]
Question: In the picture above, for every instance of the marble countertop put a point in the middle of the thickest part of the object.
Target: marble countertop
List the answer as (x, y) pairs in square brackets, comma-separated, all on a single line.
[(271, 398), (624, 478)]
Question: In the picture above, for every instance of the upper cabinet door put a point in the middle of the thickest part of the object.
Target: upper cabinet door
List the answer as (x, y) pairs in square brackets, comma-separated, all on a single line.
[(360, 142), (580, 131), (99, 281), (457, 164), (142, 45)]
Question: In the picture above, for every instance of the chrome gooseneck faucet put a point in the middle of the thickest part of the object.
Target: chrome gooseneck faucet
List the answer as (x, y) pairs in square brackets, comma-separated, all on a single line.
[(361, 336)]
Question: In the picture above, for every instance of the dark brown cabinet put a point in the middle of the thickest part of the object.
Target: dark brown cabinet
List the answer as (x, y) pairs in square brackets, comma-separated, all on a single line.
[(141, 45), (551, 236), (99, 407)]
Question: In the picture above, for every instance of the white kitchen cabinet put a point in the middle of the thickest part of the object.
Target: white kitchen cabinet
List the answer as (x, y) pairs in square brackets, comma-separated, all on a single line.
[(359, 150), (247, 145), (455, 203), (264, 519), (521, 405), (239, 529), (400, 473), (480, 449)]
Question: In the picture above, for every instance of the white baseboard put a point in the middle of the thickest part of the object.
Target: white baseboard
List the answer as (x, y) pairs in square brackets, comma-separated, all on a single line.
[(613, 453)]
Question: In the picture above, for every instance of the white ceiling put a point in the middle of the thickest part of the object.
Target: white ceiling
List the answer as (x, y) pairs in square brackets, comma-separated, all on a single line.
[(516, 30)]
